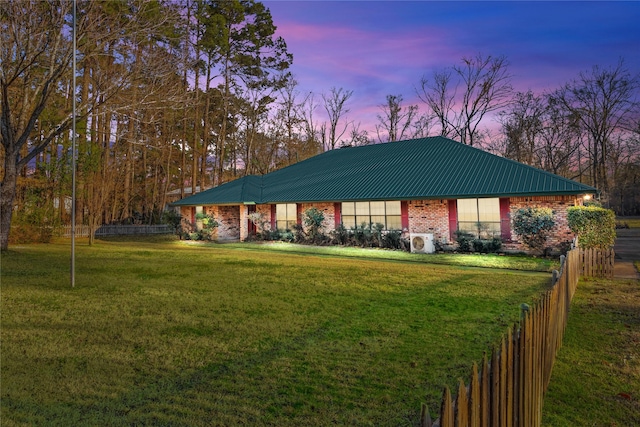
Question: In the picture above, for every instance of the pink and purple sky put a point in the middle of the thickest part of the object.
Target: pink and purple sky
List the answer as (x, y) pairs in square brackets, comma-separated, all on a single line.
[(379, 48)]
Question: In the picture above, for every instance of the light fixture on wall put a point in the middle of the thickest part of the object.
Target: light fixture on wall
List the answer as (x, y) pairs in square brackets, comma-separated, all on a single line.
[(587, 197)]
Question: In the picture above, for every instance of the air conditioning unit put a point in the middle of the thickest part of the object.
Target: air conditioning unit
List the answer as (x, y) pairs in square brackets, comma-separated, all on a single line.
[(422, 243)]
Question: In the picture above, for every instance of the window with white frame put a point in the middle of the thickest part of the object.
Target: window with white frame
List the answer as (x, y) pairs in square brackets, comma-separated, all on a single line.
[(479, 217), (371, 213), (286, 216)]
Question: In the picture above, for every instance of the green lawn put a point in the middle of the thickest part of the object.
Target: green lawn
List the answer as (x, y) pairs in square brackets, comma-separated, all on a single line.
[(629, 221), (596, 377), (513, 262), (168, 333)]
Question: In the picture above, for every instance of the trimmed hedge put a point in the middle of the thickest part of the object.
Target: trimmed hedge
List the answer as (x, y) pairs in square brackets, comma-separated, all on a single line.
[(595, 226)]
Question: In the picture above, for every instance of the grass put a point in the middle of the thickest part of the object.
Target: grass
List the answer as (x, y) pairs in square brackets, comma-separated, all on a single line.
[(165, 333), (596, 377), (514, 262), (630, 222)]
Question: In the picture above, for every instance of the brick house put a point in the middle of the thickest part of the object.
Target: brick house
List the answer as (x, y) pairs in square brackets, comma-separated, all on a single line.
[(430, 185)]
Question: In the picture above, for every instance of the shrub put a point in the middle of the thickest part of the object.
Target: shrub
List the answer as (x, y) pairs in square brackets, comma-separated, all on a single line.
[(595, 226), (533, 225), (299, 236), (393, 240), (494, 245), (592, 203), (36, 221), (341, 235), (271, 234), (286, 236), (376, 235), (313, 220), (483, 246), (259, 221), (479, 245), (464, 240), (565, 246), (366, 236), (362, 235), (209, 224), (172, 218)]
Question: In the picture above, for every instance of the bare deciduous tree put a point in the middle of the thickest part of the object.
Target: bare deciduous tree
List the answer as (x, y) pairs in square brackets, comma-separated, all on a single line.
[(35, 70), (605, 101), (462, 96), (334, 104), (521, 126), (396, 121)]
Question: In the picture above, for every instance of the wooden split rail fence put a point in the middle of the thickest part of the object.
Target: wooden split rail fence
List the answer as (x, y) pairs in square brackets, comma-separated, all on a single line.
[(508, 389)]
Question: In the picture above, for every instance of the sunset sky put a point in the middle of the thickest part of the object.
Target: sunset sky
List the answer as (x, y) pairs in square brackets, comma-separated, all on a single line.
[(378, 48)]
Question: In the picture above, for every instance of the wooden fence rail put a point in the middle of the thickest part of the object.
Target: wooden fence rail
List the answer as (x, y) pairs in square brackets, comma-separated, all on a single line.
[(509, 387), (119, 230)]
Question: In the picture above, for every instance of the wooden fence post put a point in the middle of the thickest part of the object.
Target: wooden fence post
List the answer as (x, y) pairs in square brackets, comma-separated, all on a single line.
[(462, 406), (475, 406), (446, 411), (425, 417)]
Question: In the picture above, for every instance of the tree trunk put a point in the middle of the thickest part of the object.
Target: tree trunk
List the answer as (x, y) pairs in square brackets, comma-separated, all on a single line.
[(7, 193), (128, 171)]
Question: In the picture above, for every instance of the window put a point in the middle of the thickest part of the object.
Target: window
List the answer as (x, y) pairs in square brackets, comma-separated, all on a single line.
[(286, 216), (371, 213), (479, 217)]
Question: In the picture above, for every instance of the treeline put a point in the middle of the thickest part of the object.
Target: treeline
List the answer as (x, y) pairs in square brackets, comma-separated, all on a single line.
[(170, 95), (175, 97), (587, 130)]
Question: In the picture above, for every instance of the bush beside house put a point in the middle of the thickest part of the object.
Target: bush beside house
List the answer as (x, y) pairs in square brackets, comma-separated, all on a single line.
[(594, 226), (534, 225)]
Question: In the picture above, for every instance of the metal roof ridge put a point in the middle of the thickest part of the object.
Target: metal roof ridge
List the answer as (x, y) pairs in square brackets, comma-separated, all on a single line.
[(248, 181)]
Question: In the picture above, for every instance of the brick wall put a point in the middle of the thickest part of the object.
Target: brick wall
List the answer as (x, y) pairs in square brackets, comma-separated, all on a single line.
[(186, 219), (429, 216), (559, 204), (425, 216), (329, 212), (228, 218)]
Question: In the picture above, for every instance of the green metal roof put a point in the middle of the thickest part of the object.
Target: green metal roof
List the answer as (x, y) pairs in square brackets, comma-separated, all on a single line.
[(425, 168)]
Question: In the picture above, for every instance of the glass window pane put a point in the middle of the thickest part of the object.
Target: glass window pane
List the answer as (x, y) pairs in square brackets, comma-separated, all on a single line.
[(468, 210), (469, 227), (291, 211), (489, 230), (393, 208), (394, 222), (349, 221), (363, 219), (362, 208), (377, 208), (377, 219), (489, 209), (348, 208), (286, 216)]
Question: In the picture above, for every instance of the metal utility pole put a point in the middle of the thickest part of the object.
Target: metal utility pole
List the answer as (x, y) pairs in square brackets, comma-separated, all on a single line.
[(73, 155)]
